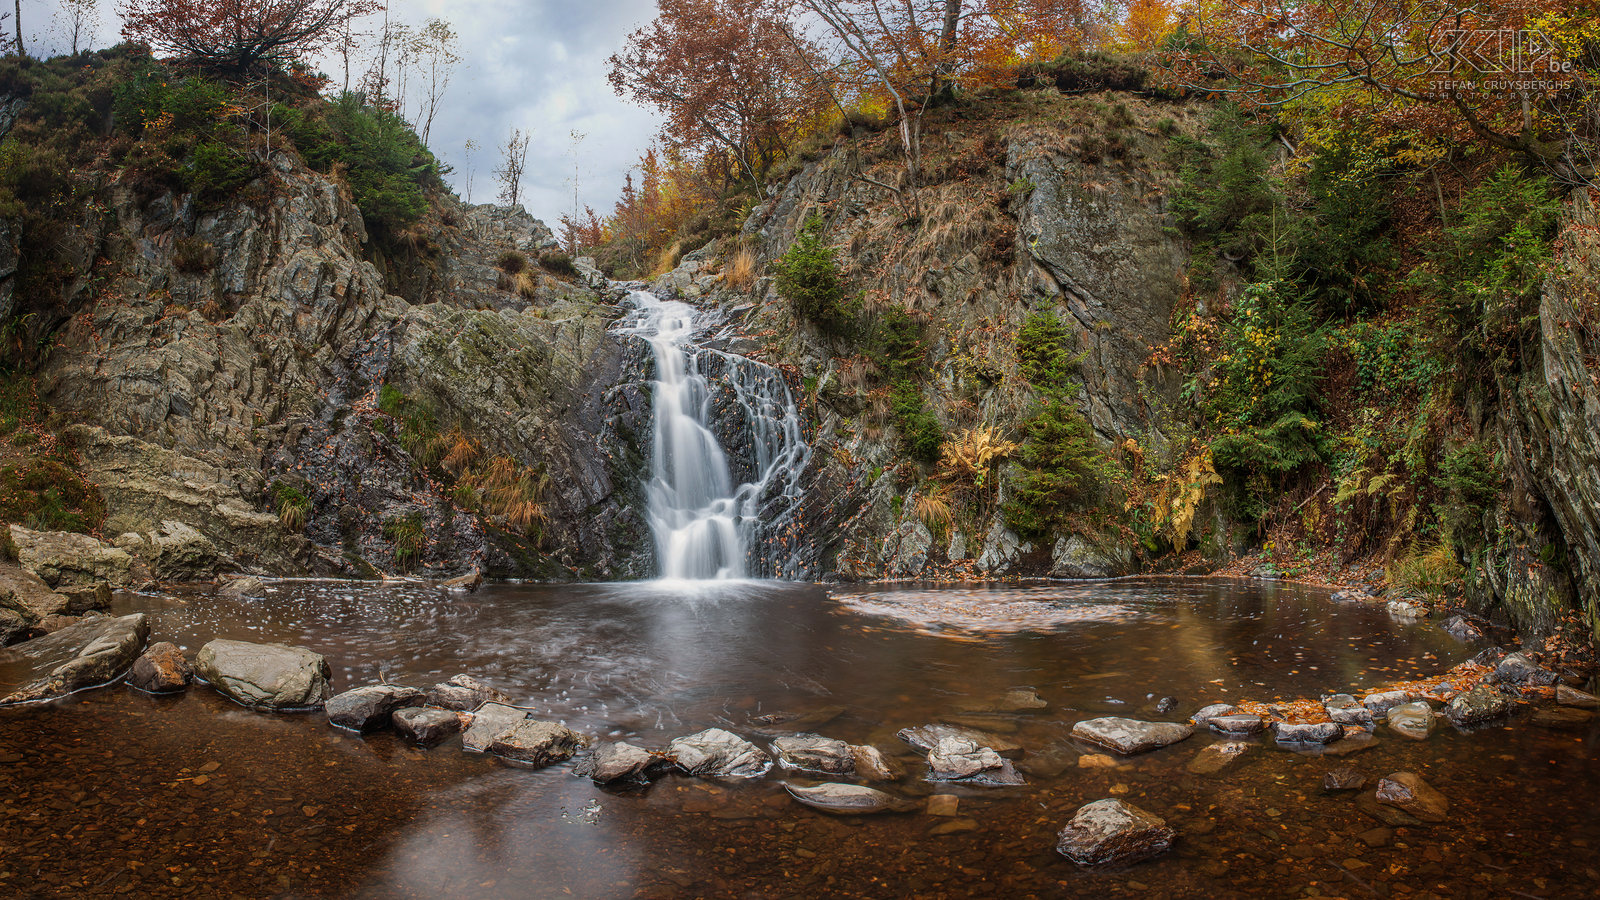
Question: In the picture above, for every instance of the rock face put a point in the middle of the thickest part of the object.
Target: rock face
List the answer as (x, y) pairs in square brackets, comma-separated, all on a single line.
[(265, 676), (1129, 736), (426, 727), (87, 654), (537, 744), (1477, 706), (371, 708), (162, 669), (465, 693), (715, 753), (62, 559), (1113, 833), (618, 761), (25, 600), (847, 799), (1408, 792)]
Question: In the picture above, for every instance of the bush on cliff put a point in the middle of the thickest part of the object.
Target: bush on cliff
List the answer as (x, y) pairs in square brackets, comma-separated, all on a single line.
[(808, 277)]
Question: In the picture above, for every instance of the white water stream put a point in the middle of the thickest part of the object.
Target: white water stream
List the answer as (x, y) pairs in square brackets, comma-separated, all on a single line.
[(705, 526)]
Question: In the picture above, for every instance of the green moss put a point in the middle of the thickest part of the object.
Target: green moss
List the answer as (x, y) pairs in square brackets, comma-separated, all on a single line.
[(49, 494)]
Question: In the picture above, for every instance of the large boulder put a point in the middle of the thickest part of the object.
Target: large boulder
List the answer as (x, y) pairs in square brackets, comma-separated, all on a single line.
[(1518, 669), (1077, 557), (63, 559), (716, 753), (175, 552), (1477, 706), (1110, 832), (161, 669), (537, 744), (489, 722), (958, 759), (1130, 736), (265, 676), (619, 761), (25, 600), (372, 707), (88, 654)]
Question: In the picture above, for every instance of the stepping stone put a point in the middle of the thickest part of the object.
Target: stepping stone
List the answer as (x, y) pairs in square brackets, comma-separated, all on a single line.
[(1111, 832), (1130, 736)]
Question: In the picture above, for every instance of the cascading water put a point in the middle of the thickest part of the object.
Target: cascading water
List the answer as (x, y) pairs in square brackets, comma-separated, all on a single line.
[(705, 526)]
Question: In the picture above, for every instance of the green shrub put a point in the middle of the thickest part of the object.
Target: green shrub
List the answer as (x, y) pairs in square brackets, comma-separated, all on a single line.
[(48, 495), (408, 537), (1225, 201), (293, 506), (512, 262), (217, 171), (808, 277), (558, 263), (1060, 469), (384, 161), (1470, 481), (1043, 355), (920, 432), (1345, 257), (8, 547), (1391, 359)]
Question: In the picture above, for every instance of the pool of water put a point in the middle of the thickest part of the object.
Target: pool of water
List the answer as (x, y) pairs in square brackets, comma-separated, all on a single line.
[(113, 793)]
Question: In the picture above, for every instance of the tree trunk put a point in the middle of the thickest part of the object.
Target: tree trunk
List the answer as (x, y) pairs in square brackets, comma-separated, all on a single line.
[(947, 45), (18, 19)]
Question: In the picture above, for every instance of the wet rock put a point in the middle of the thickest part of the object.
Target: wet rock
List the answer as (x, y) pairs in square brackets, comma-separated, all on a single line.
[(265, 676), (954, 826), (847, 799), (426, 727), (1381, 703), (1237, 724), (1355, 741), (1216, 757), (958, 759), (465, 693), (927, 737), (1561, 717), (1340, 701), (489, 722), (1356, 716), (813, 753), (1166, 705), (161, 669), (1021, 701), (60, 558), (1349, 597), (1078, 557), (1414, 720), (1571, 696), (1204, 716), (83, 598), (1407, 791), (943, 805), (618, 761), (536, 743), (1392, 816), (1461, 628), (1377, 837), (1307, 732), (1489, 656), (88, 654), (243, 586), (716, 753), (1129, 736), (466, 584), (1477, 706), (1518, 669), (872, 765), (1110, 832), (1344, 778), (371, 708), (1407, 609)]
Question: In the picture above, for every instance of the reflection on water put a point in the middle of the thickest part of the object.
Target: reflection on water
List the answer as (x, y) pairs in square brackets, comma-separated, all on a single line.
[(111, 793)]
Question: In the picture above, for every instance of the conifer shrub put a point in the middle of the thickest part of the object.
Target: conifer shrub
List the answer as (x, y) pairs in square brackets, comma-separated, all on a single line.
[(1060, 469), (808, 277)]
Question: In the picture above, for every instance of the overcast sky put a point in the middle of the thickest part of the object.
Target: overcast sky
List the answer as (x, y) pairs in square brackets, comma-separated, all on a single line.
[(539, 65)]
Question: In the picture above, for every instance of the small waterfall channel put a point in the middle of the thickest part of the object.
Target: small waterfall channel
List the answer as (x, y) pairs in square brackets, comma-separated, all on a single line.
[(706, 526)]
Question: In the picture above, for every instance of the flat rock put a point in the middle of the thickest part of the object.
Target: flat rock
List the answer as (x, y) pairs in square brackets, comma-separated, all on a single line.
[(1110, 832), (1561, 717), (1393, 816), (1413, 720), (371, 708), (619, 761), (1477, 706), (536, 743), (1380, 703), (1216, 757), (1239, 724), (1021, 701), (1344, 778), (265, 676), (465, 693), (715, 753), (814, 753), (927, 737), (1129, 736), (847, 799), (1571, 696), (426, 727), (243, 586), (1518, 669), (1307, 732), (88, 654), (959, 759), (1356, 716), (490, 721), (1204, 716), (162, 669), (1407, 791)]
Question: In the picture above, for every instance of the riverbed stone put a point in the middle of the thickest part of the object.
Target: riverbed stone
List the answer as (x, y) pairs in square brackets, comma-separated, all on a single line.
[(465, 693), (489, 722), (1343, 778), (847, 799), (872, 765), (371, 708), (243, 586), (426, 727), (1477, 706), (536, 743), (88, 654), (927, 737), (265, 676), (83, 598), (1238, 724), (1462, 628), (1561, 717), (1381, 702), (716, 753), (1413, 720), (959, 759), (1393, 816), (1518, 669), (161, 669), (1130, 736), (1216, 757), (1202, 718), (814, 753), (1571, 696), (619, 761), (1355, 716), (1111, 832), (1307, 732), (1407, 791)]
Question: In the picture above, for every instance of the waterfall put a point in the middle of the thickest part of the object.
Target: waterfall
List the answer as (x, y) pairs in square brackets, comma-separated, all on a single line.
[(706, 526)]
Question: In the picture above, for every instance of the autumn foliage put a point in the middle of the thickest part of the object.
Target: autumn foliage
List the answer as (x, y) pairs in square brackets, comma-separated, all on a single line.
[(234, 35)]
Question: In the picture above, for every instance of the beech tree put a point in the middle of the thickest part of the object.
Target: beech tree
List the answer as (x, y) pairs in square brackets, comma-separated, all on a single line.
[(235, 35), (78, 21)]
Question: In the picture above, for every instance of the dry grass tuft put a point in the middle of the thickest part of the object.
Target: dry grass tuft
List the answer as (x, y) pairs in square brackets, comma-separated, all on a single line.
[(739, 273)]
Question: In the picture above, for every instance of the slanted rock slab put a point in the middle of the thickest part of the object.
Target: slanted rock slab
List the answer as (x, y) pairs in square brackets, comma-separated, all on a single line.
[(1307, 732), (1236, 724), (1571, 696), (872, 765), (847, 799), (265, 676), (619, 761), (1130, 736), (1407, 791), (814, 753), (371, 708), (464, 693), (88, 654), (1203, 718), (927, 737), (958, 759), (1216, 757), (161, 669), (426, 727), (1110, 832), (715, 753), (536, 743), (1380, 703)]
